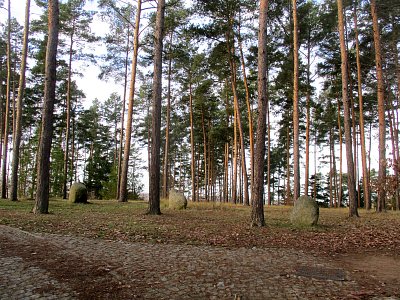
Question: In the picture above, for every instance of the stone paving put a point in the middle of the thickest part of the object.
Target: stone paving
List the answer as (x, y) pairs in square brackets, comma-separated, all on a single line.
[(48, 266)]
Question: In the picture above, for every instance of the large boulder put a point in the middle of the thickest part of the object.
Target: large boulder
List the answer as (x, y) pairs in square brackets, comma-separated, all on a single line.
[(78, 193), (177, 200), (305, 212)]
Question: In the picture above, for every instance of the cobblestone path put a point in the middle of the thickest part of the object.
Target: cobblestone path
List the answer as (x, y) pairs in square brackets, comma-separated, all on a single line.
[(47, 266)]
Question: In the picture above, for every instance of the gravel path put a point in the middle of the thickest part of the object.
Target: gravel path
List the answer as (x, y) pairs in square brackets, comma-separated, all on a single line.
[(47, 266)]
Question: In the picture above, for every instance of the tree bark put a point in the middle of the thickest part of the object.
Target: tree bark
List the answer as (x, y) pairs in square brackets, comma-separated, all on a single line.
[(7, 109), (42, 192), (249, 111), (308, 123), (340, 155), (192, 152), (234, 159), (154, 192), (121, 138), (381, 111), (257, 213), (347, 122), (68, 111), (269, 154), (18, 129), (238, 125), (166, 148), (123, 188), (366, 185), (296, 152)]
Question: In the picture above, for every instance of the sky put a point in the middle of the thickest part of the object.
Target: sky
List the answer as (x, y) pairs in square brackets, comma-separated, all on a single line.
[(90, 84)]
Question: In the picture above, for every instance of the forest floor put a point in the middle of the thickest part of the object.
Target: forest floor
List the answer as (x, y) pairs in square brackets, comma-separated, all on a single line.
[(114, 250)]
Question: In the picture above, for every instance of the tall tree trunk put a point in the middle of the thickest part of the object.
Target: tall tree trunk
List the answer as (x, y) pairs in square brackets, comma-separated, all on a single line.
[(396, 120), (226, 172), (68, 111), (249, 110), (154, 192), (257, 213), (269, 153), (42, 192), (381, 111), (192, 159), (308, 104), (331, 150), (238, 122), (7, 109), (205, 156), (296, 152), (166, 148), (121, 138), (288, 199), (123, 188), (315, 165), (18, 130), (1, 111), (366, 185), (234, 159), (391, 121), (340, 155), (73, 151), (347, 122)]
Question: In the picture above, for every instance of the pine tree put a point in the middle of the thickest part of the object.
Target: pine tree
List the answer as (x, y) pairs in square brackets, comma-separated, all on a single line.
[(42, 192)]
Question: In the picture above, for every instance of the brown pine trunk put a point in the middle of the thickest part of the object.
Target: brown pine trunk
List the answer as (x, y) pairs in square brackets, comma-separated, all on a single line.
[(269, 154), (315, 165), (154, 192), (257, 213), (396, 124), (340, 157), (296, 152), (234, 160), (392, 120), (226, 172), (238, 125), (166, 148), (347, 122), (123, 189), (381, 111), (205, 156), (123, 115), (308, 103), (42, 192), (1, 112), (331, 151), (249, 111), (7, 109), (18, 129), (366, 185), (68, 111), (193, 159), (288, 198)]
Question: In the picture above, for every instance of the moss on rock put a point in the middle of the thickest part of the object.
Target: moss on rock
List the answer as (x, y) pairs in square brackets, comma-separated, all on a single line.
[(305, 212), (78, 193), (177, 200)]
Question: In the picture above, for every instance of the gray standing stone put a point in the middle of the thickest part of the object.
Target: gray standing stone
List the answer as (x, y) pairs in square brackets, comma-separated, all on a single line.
[(176, 200), (78, 193), (305, 212)]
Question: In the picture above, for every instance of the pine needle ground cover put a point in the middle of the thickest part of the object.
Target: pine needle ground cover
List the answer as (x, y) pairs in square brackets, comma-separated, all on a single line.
[(223, 225)]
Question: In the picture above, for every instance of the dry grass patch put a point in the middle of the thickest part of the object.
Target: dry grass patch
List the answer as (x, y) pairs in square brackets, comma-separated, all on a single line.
[(210, 223)]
